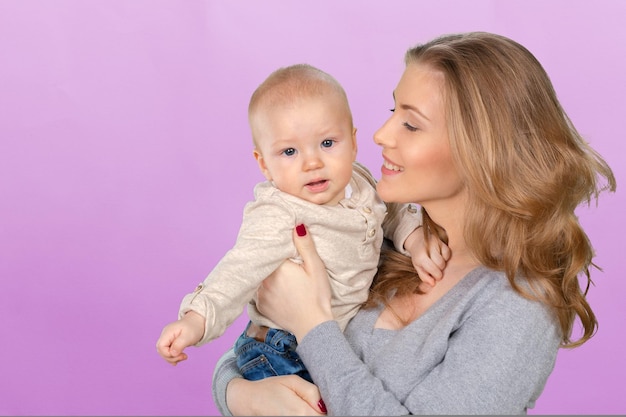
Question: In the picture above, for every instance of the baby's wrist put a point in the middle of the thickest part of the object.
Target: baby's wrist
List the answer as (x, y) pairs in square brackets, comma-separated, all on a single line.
[(196, 321), (411, 239)]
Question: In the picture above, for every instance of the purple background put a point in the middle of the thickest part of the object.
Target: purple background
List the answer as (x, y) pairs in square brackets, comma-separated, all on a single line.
[(126, 160)]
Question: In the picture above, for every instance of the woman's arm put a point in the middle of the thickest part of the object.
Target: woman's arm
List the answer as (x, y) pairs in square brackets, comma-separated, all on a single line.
[(494, 359), (225, 371), (276, 396), (300, 303), (487, 350)]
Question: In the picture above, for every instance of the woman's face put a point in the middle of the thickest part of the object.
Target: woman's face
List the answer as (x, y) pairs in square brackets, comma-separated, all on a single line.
[(418, 166)]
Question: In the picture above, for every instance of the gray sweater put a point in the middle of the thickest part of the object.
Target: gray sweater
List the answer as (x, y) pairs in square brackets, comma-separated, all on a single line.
[(480, 349)]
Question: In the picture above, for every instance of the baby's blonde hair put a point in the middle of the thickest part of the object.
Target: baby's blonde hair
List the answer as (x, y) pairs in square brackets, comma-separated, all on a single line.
[(288, 84)]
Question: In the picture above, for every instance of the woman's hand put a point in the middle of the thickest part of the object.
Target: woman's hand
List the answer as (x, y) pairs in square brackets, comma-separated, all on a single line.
[(287, 395), (297, 297)]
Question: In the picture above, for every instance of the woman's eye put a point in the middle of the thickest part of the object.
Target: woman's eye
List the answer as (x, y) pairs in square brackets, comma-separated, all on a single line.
[(409, 127), (289, 152), (327, 143), (392, 110)]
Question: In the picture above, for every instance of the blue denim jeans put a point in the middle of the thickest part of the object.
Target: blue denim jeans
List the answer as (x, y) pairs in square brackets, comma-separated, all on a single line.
[(277, 356)]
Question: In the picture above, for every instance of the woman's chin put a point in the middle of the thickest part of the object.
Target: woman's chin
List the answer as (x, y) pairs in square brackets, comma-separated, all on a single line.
[(383, 190), (389, 194)]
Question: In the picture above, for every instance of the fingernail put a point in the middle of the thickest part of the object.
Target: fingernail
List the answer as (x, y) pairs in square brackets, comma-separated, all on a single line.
[(301, 230), (321, 405)]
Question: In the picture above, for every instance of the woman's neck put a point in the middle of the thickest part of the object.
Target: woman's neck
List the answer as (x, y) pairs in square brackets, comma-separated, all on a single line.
[(403, 310), (450, 216)]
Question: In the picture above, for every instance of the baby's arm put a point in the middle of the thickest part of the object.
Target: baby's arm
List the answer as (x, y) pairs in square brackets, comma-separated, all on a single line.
[(263, 243), (205, 313), (179, 335), (429, 259), (403, 226)]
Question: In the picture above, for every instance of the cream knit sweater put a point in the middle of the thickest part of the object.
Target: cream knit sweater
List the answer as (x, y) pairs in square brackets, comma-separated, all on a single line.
[(348, 238)]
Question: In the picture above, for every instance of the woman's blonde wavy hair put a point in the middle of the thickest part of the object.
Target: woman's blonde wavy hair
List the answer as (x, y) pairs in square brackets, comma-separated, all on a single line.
[(526, 169)]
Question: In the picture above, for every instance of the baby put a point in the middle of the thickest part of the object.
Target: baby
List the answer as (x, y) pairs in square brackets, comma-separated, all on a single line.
[(305, 146)]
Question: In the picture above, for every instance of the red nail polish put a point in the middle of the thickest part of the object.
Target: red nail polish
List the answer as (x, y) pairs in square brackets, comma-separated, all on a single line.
[(321, 406), (301, 230)]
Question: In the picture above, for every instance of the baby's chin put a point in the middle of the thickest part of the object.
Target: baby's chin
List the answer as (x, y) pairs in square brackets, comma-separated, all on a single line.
[(322, 200)]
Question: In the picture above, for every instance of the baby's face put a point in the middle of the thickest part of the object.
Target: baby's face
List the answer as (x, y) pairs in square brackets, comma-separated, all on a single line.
[(307, 149)]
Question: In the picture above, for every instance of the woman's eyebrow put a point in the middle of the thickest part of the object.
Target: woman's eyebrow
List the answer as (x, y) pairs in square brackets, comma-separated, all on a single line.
[(411, 107)]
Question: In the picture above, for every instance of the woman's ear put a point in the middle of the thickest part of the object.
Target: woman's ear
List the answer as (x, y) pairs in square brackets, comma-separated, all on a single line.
[(262, 166)]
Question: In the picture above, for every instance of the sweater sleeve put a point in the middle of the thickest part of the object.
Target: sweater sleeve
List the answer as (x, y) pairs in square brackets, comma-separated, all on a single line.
[(225, 370), (264, 241), (495, 362), (400, 222)]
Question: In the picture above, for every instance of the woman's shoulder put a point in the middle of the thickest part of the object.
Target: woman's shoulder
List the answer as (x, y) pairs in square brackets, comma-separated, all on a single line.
[(485, 283), (487, 291), (491, 281)]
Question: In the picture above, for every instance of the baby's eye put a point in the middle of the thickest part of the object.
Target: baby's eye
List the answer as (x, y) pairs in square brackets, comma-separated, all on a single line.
[(409, 127), (327, 143), (289, 152)]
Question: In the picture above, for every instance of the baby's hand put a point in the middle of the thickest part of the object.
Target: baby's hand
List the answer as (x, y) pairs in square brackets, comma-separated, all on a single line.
[(429, 262), (178, 335)]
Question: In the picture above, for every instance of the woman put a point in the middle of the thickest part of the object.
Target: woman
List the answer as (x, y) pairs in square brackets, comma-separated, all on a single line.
[(479, 140)]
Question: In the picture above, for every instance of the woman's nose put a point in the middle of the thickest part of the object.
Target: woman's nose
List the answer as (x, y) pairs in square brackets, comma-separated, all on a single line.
[(381, 136)]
